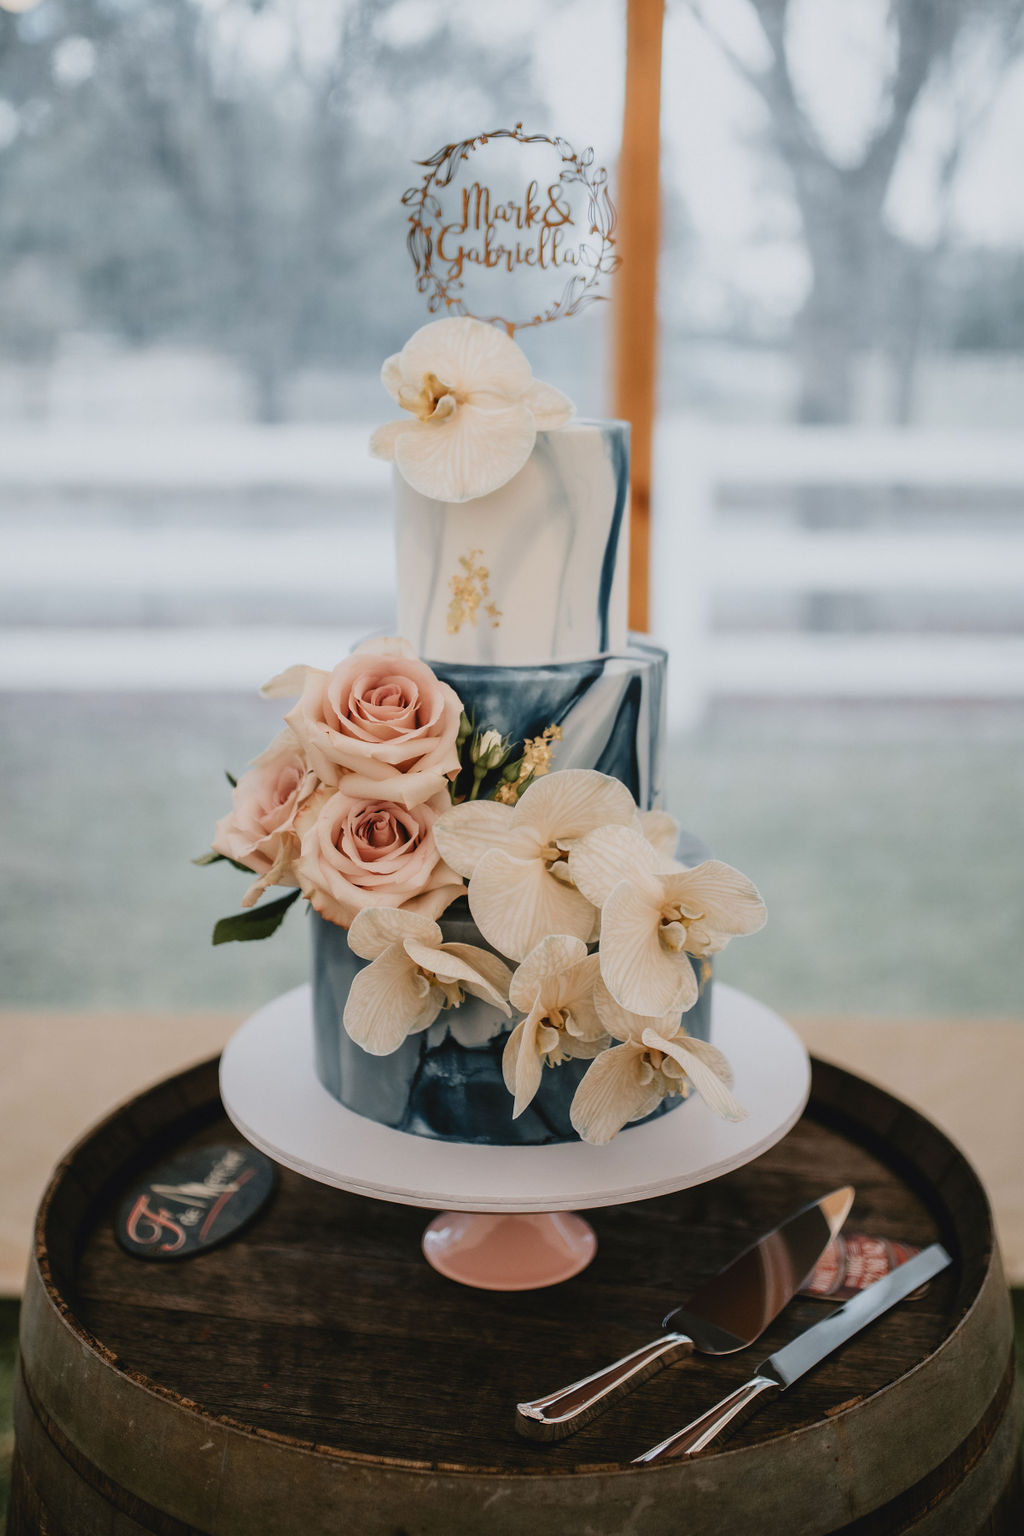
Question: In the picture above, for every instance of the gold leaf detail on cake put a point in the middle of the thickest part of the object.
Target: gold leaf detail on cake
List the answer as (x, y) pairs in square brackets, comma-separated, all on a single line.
[(703, 974), (469, 589), (540, 750), (535, 761)]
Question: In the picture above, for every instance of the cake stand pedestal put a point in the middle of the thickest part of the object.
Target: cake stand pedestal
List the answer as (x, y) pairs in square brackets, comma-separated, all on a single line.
[(271, 1092), (511, 1252)]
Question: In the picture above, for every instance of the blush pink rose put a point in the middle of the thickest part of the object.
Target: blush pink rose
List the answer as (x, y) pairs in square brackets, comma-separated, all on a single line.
[(263, 828), (382, 715), (375, 853)]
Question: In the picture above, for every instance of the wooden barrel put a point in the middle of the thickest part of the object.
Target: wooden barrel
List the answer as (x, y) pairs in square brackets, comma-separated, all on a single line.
[(314, 1375)]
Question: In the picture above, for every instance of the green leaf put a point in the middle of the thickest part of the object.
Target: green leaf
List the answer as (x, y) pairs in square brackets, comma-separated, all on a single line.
[(222, 858), (466, 728), (231, 779), (255, 922)]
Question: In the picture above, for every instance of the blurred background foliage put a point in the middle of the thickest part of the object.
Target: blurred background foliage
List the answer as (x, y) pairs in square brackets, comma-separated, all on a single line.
[(203, 173), (226, 174)]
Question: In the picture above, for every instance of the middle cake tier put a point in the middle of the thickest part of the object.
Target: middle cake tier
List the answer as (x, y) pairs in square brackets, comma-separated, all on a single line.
[(610, 710)]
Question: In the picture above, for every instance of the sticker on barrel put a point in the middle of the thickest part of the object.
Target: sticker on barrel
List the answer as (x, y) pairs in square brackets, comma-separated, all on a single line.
[(194, 1202)]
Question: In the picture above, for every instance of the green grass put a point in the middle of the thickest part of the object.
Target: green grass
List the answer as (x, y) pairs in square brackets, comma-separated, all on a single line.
[(888, 854), (887, 844)]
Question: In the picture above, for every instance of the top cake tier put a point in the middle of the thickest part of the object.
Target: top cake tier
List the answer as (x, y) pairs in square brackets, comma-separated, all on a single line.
[(533, 572)]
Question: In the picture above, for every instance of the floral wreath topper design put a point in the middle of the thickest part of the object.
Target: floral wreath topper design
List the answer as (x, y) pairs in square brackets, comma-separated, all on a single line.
[(440, 250)]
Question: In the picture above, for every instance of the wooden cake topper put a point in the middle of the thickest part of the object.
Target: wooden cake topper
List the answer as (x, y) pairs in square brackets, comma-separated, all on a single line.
[(458, 225)]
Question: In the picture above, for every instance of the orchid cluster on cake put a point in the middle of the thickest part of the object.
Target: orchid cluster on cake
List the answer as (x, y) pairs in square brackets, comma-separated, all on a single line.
[(512, 940)]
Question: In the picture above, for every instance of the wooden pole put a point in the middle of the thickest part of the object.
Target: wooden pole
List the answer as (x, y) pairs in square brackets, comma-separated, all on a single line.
[(635, 328)]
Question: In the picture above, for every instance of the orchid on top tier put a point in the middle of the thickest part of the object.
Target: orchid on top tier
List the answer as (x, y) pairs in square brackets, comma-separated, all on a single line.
[(474, 410)]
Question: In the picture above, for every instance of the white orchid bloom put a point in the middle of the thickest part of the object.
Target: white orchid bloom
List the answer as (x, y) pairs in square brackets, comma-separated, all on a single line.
[(662, 832), (413, 975), (514, 856), (475, 409), (652, 920), (656, 1057), (554, 988)]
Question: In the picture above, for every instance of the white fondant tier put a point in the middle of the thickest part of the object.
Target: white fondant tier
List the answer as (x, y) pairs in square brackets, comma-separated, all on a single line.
[(534, 572)]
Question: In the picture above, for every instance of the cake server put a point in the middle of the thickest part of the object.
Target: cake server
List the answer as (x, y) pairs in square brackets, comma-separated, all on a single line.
[(726, 1314), (800, 1355)]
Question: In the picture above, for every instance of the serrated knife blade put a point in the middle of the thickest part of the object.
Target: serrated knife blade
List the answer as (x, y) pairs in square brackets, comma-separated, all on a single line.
[(800, 1355), (726, 1314)]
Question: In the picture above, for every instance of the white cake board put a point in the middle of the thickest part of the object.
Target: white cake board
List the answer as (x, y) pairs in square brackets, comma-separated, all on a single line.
[(272, 1094)]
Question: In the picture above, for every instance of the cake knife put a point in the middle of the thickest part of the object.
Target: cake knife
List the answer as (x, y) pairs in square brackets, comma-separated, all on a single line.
[(726, 1314), (797, 1357)]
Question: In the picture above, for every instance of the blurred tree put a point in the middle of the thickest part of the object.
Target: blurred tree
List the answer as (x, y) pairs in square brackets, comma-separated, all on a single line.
[(207, 171), (36, 308), (36, 299), (853, 256), (980, 304), (917, 270)]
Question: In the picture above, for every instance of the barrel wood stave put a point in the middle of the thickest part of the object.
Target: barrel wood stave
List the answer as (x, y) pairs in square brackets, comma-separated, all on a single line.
[(292, 1455)]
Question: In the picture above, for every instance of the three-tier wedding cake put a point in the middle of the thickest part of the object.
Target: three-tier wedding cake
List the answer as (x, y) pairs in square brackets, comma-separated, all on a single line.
[(512, 940)]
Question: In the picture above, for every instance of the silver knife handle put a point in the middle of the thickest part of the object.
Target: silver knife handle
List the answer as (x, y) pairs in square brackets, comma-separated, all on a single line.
[(723, 1419), (563, 1412)]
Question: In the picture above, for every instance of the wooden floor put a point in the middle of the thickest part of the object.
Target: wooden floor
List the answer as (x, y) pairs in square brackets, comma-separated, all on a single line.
[(63, 1071)]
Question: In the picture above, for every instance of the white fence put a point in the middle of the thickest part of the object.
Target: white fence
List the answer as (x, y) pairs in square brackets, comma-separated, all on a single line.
[(696, 555)]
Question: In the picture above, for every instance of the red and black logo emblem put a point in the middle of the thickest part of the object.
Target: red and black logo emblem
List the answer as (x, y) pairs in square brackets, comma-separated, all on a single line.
[(193, 1202)]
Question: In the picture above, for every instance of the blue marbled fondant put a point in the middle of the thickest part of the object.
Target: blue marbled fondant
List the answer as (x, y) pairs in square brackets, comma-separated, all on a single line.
[(617, 448), (446, 1082), (610, 709)]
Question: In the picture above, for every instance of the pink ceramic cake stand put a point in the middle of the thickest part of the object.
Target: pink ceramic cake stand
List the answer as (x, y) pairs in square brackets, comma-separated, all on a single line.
[(507, 1219)]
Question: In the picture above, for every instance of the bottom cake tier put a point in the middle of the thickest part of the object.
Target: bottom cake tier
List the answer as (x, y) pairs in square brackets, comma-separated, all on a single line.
[(446, 1082)]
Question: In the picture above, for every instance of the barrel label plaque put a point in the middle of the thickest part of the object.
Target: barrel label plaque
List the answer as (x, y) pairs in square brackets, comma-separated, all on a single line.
[(193, 1202)]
